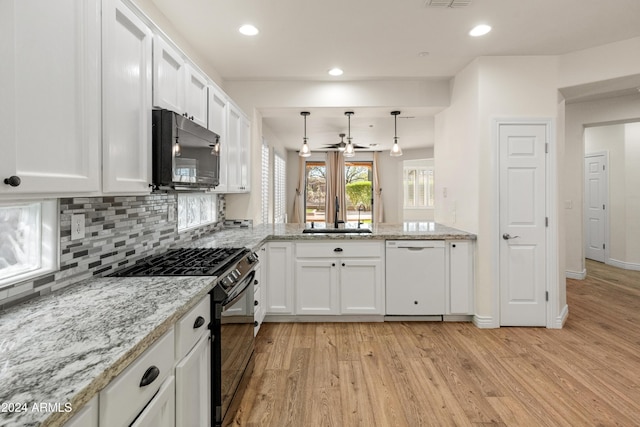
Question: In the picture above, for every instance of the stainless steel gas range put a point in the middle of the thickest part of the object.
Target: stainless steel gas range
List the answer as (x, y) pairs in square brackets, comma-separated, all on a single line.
[(232, 313)]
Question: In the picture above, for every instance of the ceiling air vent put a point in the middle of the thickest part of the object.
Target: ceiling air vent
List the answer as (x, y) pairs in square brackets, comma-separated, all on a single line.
[(447, 3)]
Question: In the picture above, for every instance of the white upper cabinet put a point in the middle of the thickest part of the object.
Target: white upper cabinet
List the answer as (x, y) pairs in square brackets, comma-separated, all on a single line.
[(238, 151), (218, 116), (168, 76), (50, 96), (126, 139), (195, 101)]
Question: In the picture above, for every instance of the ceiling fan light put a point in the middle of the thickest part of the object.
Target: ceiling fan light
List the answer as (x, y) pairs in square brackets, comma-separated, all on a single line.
[(349, 150)]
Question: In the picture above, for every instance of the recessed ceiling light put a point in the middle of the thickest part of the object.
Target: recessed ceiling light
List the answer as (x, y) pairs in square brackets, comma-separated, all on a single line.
[(336, 72), (423, 54), (480, 30), (248, 30)]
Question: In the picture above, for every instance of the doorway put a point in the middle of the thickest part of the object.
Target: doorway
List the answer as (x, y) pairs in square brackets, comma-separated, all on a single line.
[(596, 199)]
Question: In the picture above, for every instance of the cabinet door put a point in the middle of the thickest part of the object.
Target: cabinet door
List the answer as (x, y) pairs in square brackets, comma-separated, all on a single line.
[(161, 411), (87, 416), (126, 100), (168, 76), (195, 100), (461, 277), (50, 96), (361, 290), (218, 124), (245, 154), (316, 286), (193, 386), (279, 278), (233, 150)]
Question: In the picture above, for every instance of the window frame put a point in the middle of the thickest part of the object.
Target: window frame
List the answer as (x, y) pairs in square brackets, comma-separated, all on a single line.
[(417, 166)]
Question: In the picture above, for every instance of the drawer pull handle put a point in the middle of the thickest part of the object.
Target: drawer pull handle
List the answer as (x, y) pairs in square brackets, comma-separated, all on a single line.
[(13, 181), (149, 376), (199, 322), (256, 302), (337, 250), (255, 282), (256, 324)]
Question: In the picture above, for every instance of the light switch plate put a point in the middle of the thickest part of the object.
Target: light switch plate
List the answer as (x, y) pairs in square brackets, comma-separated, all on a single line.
[(77, 226)]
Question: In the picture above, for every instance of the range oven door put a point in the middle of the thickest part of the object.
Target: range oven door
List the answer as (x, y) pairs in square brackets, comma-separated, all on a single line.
[(234, 337)]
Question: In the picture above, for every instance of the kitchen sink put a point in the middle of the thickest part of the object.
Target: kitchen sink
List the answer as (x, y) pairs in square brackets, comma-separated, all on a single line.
[(336, 231)]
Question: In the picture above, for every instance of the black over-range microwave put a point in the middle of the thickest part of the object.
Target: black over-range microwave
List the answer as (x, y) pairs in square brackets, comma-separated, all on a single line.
[(185, 154)]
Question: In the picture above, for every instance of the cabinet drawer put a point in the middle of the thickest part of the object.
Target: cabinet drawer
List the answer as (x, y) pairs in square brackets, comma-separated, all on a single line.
[(339, 249), (123, 399), (191, 327)]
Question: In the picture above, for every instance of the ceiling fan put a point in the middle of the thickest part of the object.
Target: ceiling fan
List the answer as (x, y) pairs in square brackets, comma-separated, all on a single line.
[(342, 145)]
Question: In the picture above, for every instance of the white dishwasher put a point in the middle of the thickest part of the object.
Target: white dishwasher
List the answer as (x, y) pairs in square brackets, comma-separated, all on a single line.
[(415, 278)]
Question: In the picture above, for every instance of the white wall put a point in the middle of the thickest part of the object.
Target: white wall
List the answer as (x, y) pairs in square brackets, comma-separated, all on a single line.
[(466, 155), (578, 115)]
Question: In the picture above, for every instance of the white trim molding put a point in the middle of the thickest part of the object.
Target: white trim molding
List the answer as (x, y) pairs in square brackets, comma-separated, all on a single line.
[(577, 275), (623, 264), (485, 322), (559, 321)]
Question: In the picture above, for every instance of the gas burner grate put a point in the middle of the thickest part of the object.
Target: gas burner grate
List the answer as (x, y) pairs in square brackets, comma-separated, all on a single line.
[(185, 262)]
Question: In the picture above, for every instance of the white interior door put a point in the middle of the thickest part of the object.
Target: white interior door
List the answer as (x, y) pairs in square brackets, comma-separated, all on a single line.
[(595, 197), (522, 224)]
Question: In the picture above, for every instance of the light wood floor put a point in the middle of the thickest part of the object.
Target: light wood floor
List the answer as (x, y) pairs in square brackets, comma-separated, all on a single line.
[(445, 374)]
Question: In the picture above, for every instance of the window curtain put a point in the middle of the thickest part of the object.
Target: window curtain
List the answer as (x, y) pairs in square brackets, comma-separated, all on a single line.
[(378, 211), (335, 186), (298, 216)]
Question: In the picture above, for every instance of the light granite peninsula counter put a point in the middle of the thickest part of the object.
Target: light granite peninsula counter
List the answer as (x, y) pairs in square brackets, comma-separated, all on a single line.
[(253, 237), (64, 347)]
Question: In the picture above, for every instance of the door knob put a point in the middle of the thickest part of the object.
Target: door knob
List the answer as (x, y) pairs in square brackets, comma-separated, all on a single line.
[(507, 236)]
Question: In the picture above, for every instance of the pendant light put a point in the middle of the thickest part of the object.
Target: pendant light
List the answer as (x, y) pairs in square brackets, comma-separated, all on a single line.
[(396, 151), (349, 149), (305, 151)]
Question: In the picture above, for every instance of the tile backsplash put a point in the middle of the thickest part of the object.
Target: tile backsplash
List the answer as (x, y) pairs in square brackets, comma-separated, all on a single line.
[(119, 230)]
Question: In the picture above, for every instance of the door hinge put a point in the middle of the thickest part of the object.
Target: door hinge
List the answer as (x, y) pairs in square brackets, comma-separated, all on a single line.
[(546, 221), (603, 167), (546, 147), (603, 246), (546, 295), (602, 207)]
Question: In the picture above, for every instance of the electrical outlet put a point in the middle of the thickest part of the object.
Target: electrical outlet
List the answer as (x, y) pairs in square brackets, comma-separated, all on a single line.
[(77, 226)]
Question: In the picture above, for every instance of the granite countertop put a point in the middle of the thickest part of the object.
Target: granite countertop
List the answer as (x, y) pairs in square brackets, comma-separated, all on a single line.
[(253, 237), (63, 348)]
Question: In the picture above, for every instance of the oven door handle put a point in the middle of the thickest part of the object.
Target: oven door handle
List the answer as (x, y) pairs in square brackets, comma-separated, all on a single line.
[(247, 282)]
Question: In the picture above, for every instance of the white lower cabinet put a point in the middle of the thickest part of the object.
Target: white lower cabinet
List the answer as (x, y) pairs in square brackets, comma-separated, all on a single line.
[(259, 290), (87, 416), (460, 283), (317, 286), (161, 411), (361, 286), (339, 278), (125, 398), (279, 278), (193, 386)]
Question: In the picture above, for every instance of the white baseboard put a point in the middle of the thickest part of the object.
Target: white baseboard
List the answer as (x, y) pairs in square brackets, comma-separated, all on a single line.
[(559, 321), (624, 265), (485, 322), (578, 275)]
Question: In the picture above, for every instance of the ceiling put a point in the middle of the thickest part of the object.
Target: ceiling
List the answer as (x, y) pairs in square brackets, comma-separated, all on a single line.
[(381, 40)]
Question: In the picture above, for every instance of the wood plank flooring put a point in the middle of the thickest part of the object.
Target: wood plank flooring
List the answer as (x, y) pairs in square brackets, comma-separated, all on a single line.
[(454, 374)]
